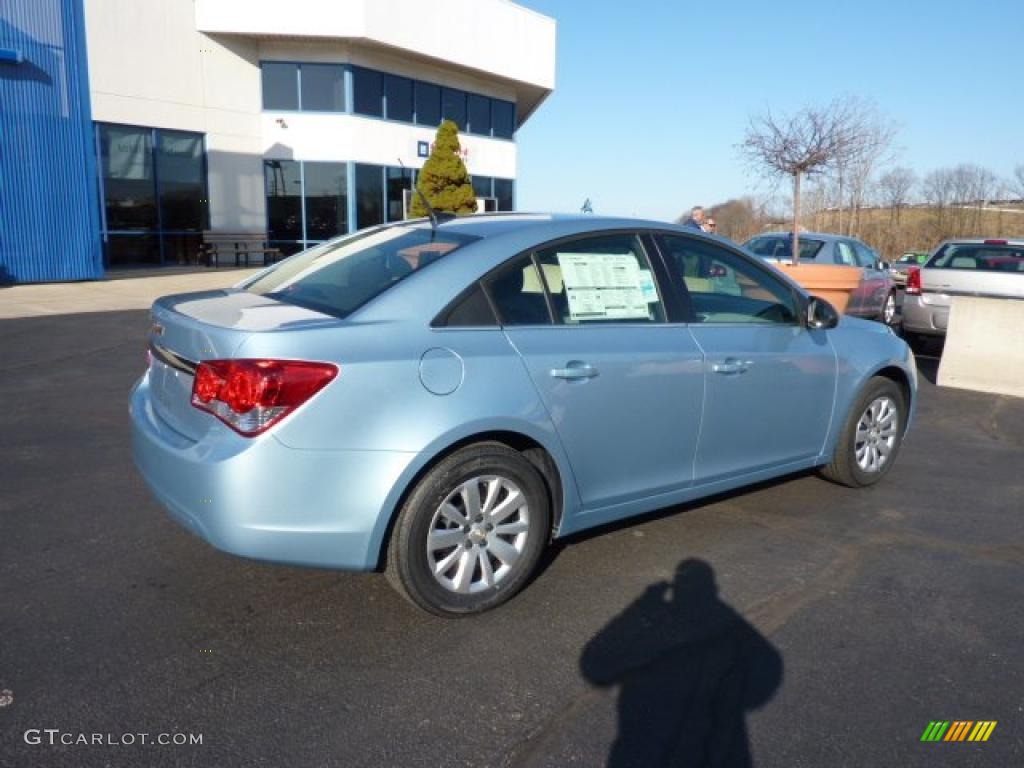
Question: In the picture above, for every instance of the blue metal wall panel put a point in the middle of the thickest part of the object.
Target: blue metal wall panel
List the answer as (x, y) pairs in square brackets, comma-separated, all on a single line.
[(49, 207)]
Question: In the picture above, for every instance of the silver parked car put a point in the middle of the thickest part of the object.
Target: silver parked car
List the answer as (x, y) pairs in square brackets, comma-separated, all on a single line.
[(874, 298), (993, 268)]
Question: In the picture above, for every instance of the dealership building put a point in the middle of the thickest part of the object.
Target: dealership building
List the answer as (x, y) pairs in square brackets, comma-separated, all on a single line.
[(128, 128)]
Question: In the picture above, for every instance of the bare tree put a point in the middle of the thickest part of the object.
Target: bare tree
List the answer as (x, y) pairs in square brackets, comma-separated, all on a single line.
[(938, 191), (1017, 181), (872, 150), (894, 189), (739, 219), (809, 143)]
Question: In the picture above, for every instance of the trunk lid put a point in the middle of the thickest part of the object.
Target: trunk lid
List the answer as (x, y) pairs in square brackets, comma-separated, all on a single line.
[(191, 327), (939, 286)]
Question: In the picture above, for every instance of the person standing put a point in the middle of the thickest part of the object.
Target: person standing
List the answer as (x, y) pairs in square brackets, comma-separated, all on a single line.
[(697, 217)]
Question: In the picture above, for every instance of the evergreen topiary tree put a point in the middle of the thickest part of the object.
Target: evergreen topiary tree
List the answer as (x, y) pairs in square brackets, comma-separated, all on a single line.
[(444, 180)]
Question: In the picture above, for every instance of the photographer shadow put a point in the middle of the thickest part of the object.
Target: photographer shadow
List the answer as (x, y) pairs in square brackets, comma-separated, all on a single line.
[(688, 668)]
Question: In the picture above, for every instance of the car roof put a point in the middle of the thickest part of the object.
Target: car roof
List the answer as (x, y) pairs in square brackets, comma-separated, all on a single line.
[(1015, 241), (824, 236), (493, 224)]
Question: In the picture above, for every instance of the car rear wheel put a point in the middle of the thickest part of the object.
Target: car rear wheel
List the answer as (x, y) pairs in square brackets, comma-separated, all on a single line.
[(871, 437), (889, 315), (471, 532)]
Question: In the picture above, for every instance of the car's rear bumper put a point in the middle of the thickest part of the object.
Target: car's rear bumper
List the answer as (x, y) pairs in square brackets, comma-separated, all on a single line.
[(919, 316), (258, 498)]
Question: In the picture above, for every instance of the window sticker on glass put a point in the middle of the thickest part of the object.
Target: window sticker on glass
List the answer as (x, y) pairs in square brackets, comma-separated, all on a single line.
[(647, 288), (603, 286)]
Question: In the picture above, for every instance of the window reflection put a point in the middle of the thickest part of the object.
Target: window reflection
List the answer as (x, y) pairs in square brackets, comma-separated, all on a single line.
[(398, 92), (326, 198), (367, 92), (280, 85), (428, 104), (399, 180), (453, 106), (179, 163), (369, 195), (284, 199), (154, 194), (323, 87)]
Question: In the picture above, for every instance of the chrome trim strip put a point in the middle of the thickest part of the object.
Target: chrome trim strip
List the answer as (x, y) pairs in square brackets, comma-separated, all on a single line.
[(172, 359)]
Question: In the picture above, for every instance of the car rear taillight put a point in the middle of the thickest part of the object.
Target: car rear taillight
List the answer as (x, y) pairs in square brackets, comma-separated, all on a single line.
[(250, 396), (914, 281)]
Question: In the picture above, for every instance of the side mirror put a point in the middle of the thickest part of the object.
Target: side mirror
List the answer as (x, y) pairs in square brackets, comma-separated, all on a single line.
[(885, 266), (821, 314)]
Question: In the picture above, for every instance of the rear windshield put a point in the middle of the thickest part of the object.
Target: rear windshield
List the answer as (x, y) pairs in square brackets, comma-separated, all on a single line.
[(979, 256), (782, 247), (340, 276)]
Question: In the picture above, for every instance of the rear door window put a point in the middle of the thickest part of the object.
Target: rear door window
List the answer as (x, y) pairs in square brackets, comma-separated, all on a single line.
[(601, 279), (518, 293), (340, 276), (845, 254), (986, 257)]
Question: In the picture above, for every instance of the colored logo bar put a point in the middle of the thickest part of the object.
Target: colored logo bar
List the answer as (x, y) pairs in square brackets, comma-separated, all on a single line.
[(958, 730)]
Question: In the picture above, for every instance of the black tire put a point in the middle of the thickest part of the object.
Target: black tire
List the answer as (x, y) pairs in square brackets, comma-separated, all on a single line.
[(844, 468), (917, 342), (895, 321), (410, 568)]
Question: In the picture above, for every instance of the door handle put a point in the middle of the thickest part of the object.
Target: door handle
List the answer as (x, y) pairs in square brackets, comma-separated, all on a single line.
[(731, 365), (574, 371)]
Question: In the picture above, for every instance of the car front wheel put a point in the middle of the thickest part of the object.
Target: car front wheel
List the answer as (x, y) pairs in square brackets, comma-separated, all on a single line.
[(471, 532), (871, 437)]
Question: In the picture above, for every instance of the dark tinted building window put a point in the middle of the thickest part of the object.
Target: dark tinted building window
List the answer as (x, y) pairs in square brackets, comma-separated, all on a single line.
[(132, 249), (428, 104), (504, 190), (182, 175), (398, 92), (482, 186), (453, 106), (504, 118), (323, 87), (369, 195), (154, 189), (326, 200), (126, 165), (399, 180), (284, 199), (280, 86), (479, 115), (367, 92), (518, 294)]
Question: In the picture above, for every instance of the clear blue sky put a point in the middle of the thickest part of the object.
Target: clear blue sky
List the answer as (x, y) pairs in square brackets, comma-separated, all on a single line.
[(653, 95)]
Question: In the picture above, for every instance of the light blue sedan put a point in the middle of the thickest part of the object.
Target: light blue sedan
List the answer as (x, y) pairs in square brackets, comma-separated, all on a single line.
[(442, 401)]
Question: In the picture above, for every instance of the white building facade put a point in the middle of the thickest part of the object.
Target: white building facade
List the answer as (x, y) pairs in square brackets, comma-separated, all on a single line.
[(302, 119)]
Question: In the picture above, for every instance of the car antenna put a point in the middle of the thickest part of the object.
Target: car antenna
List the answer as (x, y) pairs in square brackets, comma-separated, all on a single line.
[(435, 218)]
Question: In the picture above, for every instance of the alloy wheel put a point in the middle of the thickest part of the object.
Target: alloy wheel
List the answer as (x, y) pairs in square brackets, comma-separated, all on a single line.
[(478, 534), (876, 434), (889, 310)]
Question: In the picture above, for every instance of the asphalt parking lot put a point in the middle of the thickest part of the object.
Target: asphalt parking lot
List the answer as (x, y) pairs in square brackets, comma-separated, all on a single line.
[(796, 624)]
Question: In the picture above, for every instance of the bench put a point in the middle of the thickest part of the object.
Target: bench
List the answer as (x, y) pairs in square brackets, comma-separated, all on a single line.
[(218, 247)]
